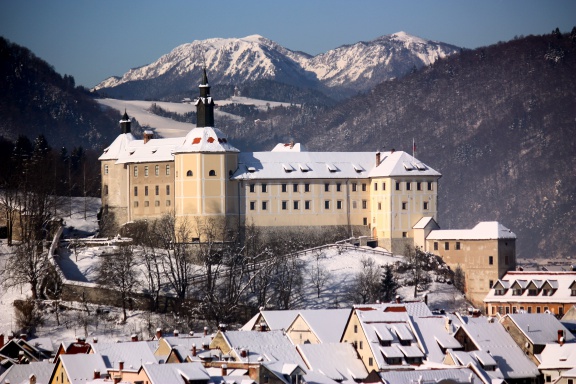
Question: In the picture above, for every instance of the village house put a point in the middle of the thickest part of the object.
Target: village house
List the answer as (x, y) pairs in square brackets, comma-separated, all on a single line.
[(310, 326), (532, 292), (533, 331)]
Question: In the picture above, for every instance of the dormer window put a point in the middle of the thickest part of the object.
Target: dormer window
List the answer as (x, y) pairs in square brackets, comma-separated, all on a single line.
[(517, 292), (212, 173), (189, 173)]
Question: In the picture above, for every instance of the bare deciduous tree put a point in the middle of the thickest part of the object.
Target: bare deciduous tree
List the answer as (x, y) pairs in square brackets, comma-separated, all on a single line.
[(366, 285)]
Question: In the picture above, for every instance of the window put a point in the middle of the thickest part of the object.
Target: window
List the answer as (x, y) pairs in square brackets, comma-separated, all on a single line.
[(404, 205), (354, 204), (397, 185), (146, 191), (573, 292), (252, 205), (447, 246), (371, 362), (548, 378), (404, 234), (365, 221), (294, 187), (135, 204), (491, 260), (252, 186), (157, 170), (135, 171), (507, 310), (105, 189), (106, 169), (418, 186), (167, 190), (168, 170), (361, 345), (429, 185), (306, 187), (284, 205), (457, 246), (264, 188), (532, 292), (212, 173), (490, 283), (145, 171), (296, 204), (189, 173), (135, 191), (425, 205), (326, 187), (157, 190), (354, 187), (284, 188), (363, 187), (167, 203), (435, 245), (375, 186), (364, 204), (537, 309), (383, 186), (355, 328), (338, 185), (264, 205), (339, 204), (146, 203), (157, 203), (560, 311), (379, 206), (529, 309), (326, 204), (408, 186), (307, 204)]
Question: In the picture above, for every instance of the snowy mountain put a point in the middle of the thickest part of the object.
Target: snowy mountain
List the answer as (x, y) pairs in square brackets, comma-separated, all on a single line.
[(347, 69)]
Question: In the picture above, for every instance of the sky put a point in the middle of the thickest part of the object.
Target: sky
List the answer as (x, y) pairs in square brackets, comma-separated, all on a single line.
[(95, 39)]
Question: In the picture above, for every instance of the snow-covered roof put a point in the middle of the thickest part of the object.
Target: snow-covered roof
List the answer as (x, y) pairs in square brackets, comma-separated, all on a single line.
[(80, 367), (417, 308), (556, 356), (205, 139), (275, 319), (326, 165), (434, 335), (270, 345), (133, 354), (289, 147), (459, 375), (423, 222), (20, 373), (173, 373), (338, 361), (559, 283), (327, 331), (540, 328), (490, 336), (118, 147), (485, 230)]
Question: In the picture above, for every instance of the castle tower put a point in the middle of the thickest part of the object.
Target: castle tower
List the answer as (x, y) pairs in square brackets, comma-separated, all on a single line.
[(204, 163)]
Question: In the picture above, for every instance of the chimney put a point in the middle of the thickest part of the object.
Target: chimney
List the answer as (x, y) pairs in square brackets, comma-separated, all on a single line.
[(392, 151), (134, 337), (191, 333), (96, 374), (205, 331), (176, 333), (222, 327), (224, 370), (398, 299), (560, 337), (291, 144), (193, 349), (120, 365), (378, 158), (158, 333), (20, 356), (1, 340), (205, 345), (23, 336), (148, 135), (448, 325), (32, 379), (243, 353), (95, 340)]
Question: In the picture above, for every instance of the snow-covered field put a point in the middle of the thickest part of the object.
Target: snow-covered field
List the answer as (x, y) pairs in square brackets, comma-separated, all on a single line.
[(166, 127), (341, 267)]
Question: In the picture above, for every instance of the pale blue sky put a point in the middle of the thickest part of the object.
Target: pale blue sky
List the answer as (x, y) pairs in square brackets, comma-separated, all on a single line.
[(94, 39)]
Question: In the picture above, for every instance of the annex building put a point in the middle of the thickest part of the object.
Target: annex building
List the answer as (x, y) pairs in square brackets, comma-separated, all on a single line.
[(202, 176)]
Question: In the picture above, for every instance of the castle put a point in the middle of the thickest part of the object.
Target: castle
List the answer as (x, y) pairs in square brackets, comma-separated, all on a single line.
[(391, 196)]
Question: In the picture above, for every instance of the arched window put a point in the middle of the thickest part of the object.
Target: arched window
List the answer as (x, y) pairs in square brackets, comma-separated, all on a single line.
[(212, 173), (189, 173)]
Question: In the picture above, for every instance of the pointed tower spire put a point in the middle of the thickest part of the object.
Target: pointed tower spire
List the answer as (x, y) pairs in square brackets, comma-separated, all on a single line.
[(205, 104), (125, 123)]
